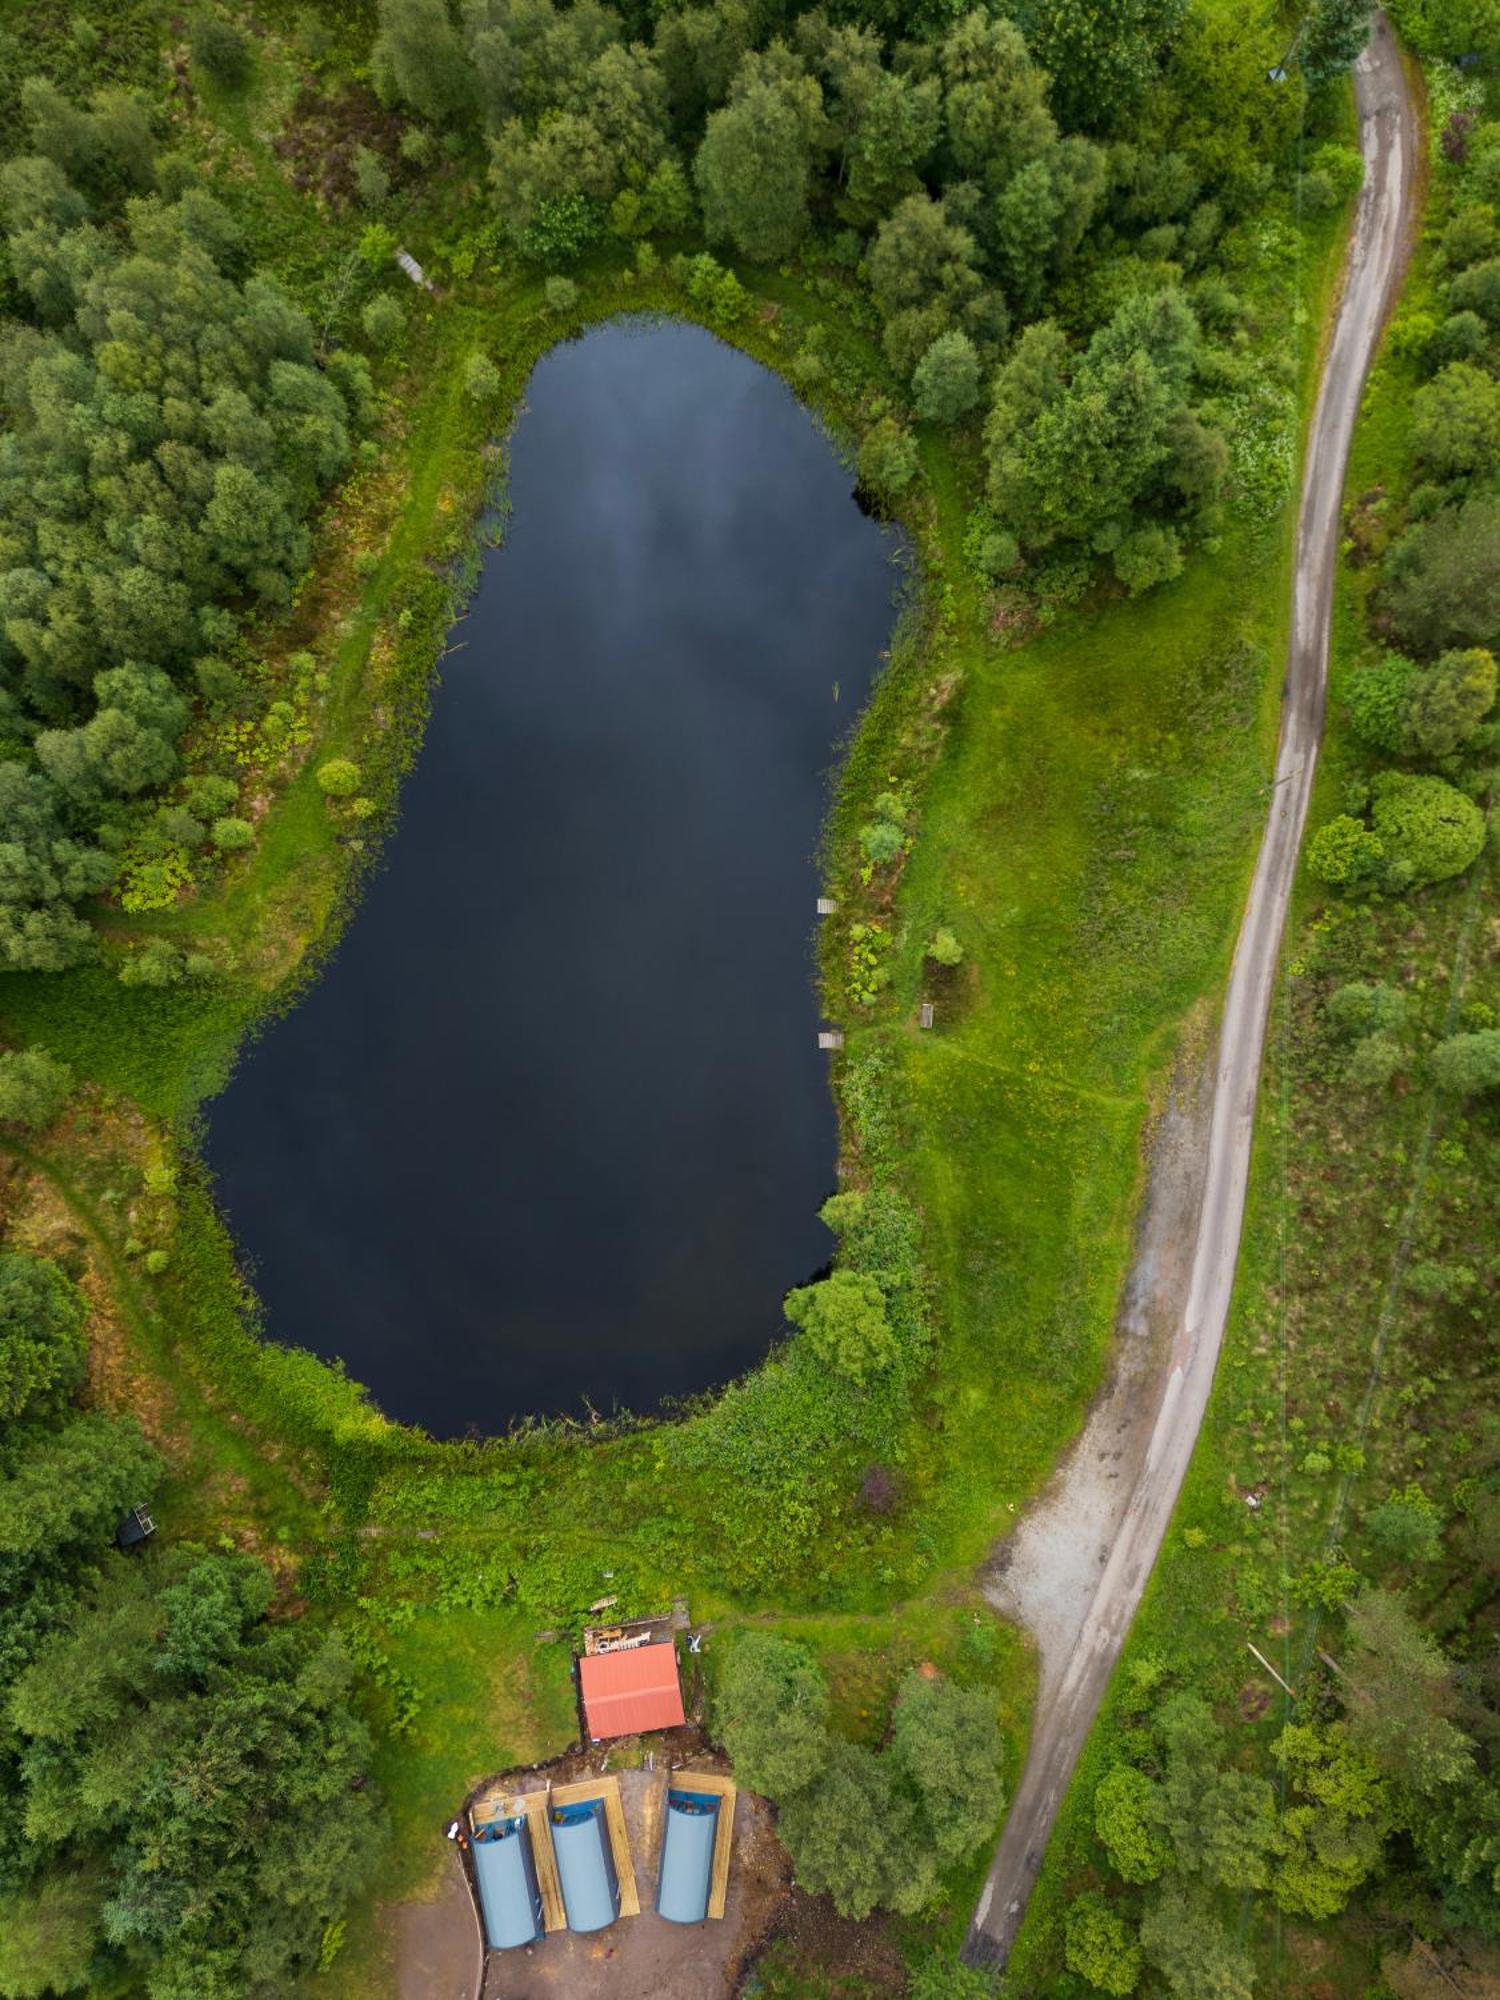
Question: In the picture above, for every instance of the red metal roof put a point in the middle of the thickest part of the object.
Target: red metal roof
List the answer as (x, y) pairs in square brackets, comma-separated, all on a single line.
[(626, 1693)]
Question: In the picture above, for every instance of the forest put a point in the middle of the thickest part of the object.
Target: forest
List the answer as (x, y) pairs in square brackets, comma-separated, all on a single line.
[(1053, 277)]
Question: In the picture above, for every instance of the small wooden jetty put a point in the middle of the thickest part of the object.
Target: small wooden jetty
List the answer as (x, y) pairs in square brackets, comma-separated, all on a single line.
[(831, 1038)]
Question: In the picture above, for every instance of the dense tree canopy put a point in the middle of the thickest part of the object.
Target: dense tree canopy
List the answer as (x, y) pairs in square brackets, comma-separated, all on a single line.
[(166, 430), (182, 1786)]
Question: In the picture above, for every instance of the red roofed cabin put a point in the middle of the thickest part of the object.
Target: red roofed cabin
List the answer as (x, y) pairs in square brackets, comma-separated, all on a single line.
[(627, 1693)]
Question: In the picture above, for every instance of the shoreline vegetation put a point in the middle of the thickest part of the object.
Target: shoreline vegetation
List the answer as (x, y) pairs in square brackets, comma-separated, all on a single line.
[(1043, 824)]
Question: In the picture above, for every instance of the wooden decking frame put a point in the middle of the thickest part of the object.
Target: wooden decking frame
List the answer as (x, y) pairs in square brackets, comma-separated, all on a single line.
[(505, 1805), (716, 1785), (607, 1788)]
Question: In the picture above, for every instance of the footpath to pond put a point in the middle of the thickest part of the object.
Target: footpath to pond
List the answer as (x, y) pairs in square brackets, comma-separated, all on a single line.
[(1075, 1570)]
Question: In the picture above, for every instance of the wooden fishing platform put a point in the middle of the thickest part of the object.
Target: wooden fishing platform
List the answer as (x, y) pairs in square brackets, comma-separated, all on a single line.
[(724, 1788), (607, 1788)]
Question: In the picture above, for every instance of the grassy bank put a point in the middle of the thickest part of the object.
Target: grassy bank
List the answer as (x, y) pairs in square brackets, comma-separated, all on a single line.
[(1083, 791)]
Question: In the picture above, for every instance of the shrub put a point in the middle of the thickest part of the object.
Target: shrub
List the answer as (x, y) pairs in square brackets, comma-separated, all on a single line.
[(232, 833), (560, 294), (371, 181), (1467, 1065), (999, 553), (220, 52), (771, 1714), (1148, 555), (844, 1317), (1344, 853), (481, 378), (1407, 1527), (1361, 1009), (223, 687), (562, 230), (339, 778), (1427, 829), (944, 948), (158, 963), (887, 460), (1100, 1946), (945, 386), (377, 245), (33, 1088), (383, 321), (1378, 698), (881, 841), (1373, 1061)]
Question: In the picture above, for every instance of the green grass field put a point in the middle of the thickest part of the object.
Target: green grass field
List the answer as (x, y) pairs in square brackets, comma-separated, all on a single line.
[(1085, 810)]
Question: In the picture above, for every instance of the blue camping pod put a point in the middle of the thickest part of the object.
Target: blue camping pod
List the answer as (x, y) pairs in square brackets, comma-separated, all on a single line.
[(506, 1872), (687, 1856), (585, 1865)]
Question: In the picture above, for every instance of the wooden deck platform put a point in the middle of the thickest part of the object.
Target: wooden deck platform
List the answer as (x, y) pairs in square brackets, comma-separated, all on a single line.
[(719, 1786), (607, 1788), (505, 1805)]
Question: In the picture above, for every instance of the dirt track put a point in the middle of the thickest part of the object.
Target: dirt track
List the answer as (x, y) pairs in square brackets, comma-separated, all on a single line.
[(1075, 1570)]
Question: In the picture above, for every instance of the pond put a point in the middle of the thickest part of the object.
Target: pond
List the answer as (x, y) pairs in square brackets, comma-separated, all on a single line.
[(552, 1128)]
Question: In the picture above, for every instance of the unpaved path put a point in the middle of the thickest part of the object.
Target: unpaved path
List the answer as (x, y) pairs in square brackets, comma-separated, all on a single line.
[(1076, 1570)]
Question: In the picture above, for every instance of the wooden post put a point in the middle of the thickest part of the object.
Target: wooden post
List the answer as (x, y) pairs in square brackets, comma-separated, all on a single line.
[(1272, 1671)]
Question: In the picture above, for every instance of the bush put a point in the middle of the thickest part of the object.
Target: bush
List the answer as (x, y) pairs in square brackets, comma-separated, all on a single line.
[(33, 1088), (232, 833), (1148, 555), (944, 948), (1361, 1009), (372, 183), (223, 687), (562, 230), (887, 460), (945, 386), (999, 554), (560, 294), (1378, 699), (881, 841), (1450, 701), (1373, 1061), (1427, 829), (1407, 1527), (339, 778), (383, 321), (220, 52), (1343, 167), (1344, 853), (1467, 1065), (844, 1317), (771, 1714), (481, 379), (1101, 1947), (157, 964), (377, 245)]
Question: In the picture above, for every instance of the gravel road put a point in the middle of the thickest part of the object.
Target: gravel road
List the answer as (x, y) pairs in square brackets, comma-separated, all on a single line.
[(1082, 1635)]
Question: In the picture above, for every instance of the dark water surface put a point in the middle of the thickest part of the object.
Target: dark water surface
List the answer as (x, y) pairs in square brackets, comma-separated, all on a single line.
[(553, 1125)]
